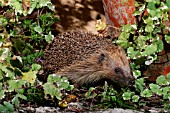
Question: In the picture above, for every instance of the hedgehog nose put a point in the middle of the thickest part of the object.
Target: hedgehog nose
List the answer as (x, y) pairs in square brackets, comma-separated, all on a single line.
[(131, 81)]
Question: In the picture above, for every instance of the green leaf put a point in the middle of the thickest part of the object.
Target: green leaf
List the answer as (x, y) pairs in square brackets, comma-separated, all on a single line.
[(43, 2), (52, 91), (137, 13), (151, 6), (166, 96), (9, 107), (167, 38), (2, 94), (165, 90), (1, 87), (160, 92), (161, 80), (168, 78), (16, 101), (21, 96), (33, 4), (53, 78), (146, 93), (136, 73), (168, 3), (29, 76), (148, 0), (49, 37), (17, 6), (90, 93), (127, 95), (65, 85), (36, 67), (123, 40), (71, 87), (5, 54), (139, 84), (160, 46), (127, 28), (154, 87), (51, 6), (135, 98), (15, 84), (152, 12), (131, 52), (149, 50), (149, 28), (38, 29)]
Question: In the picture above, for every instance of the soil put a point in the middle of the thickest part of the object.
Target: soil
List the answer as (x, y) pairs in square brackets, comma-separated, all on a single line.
[(78, 14)]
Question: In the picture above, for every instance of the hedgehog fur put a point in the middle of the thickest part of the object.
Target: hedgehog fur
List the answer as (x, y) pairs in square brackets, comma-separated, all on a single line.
[(84, 57)]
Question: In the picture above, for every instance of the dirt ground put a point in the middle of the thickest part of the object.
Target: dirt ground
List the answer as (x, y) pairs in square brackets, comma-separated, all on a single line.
[(78, 14)]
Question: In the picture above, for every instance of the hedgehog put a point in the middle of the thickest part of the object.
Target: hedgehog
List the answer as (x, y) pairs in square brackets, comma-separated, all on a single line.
[(84, 58)]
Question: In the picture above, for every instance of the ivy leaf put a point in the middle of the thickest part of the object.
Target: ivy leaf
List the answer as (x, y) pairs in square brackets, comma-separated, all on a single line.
[(90, 93), (127, 28), (7, 107), (139, 83), (17, 6), (167, 38), (151, 6), (52, 91), (136, 73), (51, 6), (168, 77), (36, 67), (29, 76), (53, 78), (154, 87), (166, 96), (146, 93), (123, 40), (149, 50), (2, 94), (127, 95), (149, 28), (168, 3), (38, 29), (15, 84), (65, 85), (135, 98), (4, 54), (165, 90), (43, 2), (137, 13), (49, 37), (16, 101), (33, 5), (131, 52), (161, 80), (160, 46)]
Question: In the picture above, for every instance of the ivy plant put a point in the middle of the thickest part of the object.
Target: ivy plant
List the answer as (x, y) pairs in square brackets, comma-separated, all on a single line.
[(143, 41)]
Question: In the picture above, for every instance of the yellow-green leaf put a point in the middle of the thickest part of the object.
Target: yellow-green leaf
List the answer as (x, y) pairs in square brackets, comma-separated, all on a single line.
[(29, 76)]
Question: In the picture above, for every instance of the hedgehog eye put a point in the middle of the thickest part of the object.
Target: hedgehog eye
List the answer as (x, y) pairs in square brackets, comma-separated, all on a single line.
[(101, 57), (117, 70)]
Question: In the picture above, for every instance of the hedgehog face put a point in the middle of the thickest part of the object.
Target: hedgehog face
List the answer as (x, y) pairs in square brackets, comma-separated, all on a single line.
[(116, 66)]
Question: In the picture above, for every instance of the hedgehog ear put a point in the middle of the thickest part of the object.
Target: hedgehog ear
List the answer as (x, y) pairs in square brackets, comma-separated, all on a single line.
[(101, 57)]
